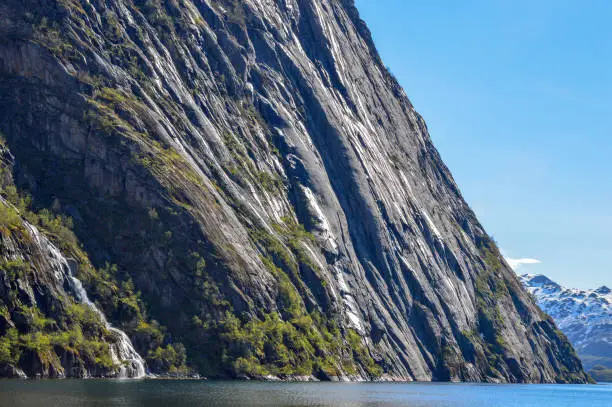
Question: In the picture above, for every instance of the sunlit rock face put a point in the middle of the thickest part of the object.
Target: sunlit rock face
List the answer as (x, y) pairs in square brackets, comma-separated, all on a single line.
[(253, 161), (585, 316)]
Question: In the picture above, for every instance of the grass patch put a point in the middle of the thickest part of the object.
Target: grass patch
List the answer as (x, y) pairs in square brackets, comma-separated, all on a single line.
[(9, 218), (601, 374)]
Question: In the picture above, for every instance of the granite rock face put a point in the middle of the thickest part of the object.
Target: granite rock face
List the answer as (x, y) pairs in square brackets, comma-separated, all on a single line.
[(49, 328), (39, 314), (259, 174)]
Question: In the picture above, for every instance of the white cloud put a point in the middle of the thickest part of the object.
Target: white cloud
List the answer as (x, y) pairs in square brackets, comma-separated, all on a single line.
[(516, 263)]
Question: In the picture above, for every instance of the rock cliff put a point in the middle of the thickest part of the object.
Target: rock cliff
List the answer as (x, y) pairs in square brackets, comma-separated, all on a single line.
[(265, 190)]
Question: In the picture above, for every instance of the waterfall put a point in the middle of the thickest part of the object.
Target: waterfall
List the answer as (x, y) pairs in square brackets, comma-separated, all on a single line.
[(123, 354)]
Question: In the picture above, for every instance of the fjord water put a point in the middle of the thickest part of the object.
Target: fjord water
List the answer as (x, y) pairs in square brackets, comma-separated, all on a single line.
[(165, 393)]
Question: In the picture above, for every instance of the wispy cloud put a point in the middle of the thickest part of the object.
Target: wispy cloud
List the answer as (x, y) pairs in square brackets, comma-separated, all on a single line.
[(516, 263)]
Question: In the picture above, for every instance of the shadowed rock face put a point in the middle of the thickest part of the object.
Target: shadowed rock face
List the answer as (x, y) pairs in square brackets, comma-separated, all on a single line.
[(38, 313), (256, 158)]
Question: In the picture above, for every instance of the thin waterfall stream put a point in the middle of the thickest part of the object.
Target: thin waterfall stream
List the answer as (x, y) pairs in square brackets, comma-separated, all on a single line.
[(123, 354)]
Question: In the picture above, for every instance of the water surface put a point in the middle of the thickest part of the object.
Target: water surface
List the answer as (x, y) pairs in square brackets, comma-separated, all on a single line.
[(170, 393)]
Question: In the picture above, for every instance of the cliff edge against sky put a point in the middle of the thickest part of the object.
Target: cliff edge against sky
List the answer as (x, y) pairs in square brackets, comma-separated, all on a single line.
[(251, 193)]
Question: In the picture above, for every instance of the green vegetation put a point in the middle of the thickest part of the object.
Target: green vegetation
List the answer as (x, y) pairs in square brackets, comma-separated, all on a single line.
[(295, 231), (268, 181), (563, 343), (74, 5), (94, 81), (107, 110), (68, 327), (14, 269), (79, 332), (9, 218), (243, 167), (591, 360), (116, 296), (362, 355), (161, 357), (302, 345), (284, 261), (165, 163), (291, 342), (601, 374), (78, 328), (57, 227), (281, 347), (9, 348), (170, 358), (278, 254), (296, 236), (157, 16), (48, 35), (111, 27), (490, 288)]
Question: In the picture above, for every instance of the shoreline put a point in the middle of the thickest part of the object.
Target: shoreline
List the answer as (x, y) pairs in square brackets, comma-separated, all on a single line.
[(279, 380)]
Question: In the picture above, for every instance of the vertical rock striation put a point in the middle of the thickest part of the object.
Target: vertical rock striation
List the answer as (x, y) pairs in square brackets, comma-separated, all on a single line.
[(268, 186)]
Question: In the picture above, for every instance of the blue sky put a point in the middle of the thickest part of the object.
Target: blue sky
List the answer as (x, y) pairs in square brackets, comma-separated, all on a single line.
[(517, 98)]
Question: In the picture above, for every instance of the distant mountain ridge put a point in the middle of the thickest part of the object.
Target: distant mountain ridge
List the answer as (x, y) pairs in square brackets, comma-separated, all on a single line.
[(585, 316)]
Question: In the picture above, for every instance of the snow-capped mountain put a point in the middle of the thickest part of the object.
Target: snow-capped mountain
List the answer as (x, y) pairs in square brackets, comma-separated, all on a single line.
[(585, 316)]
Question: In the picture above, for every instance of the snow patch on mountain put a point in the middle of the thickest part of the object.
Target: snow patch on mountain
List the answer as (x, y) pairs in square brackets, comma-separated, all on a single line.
[(585, 316)]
